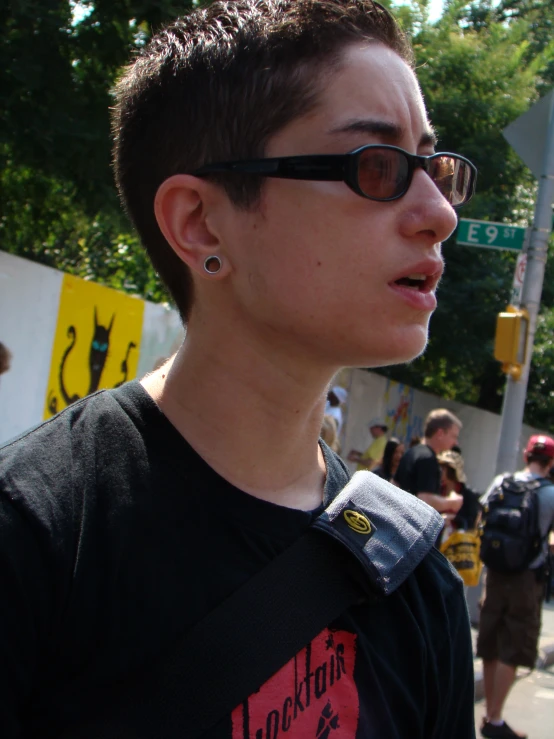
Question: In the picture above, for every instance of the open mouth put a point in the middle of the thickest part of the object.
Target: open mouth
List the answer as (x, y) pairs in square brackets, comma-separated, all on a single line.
[(418, 282)]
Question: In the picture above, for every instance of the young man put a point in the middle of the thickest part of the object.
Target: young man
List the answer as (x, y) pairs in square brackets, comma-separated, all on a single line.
[(373, 455), (277, 161), (419, 470), (510, 621)]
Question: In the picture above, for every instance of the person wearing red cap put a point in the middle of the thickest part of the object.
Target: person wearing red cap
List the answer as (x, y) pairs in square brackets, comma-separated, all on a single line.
[(510, 621)]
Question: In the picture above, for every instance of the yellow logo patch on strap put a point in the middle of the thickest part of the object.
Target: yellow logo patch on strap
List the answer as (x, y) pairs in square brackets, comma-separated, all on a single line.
[(357, 522)]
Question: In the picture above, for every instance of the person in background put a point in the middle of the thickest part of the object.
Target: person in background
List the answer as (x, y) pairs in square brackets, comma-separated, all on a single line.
[(510, 621), (419, 471), (453, 480), (373, 455), (414, 441), (394, 449), (336, 397), (329, 433)]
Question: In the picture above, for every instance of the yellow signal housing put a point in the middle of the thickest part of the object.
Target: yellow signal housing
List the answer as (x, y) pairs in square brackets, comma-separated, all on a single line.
[(510, 342)]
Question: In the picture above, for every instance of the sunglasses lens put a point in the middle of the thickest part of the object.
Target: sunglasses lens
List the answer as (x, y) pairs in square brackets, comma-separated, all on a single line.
[(453, 178), (382, 173)]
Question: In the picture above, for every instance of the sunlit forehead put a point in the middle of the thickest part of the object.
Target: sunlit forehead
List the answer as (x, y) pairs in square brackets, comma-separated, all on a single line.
[(377, 95), (386, 131)]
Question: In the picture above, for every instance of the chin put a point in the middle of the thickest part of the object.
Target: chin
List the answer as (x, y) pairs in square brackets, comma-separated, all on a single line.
[(401, 347)]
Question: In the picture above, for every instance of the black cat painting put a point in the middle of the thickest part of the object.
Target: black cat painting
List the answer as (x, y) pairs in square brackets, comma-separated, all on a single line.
[(98, 354)]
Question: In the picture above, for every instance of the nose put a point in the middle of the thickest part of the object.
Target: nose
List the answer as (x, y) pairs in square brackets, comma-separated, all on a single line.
[(427, 214)]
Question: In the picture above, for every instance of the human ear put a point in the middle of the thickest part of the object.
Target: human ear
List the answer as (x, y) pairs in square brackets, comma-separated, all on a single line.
[(184, 206)]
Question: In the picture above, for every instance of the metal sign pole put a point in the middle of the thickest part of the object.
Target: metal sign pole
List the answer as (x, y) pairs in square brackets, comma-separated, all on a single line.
[(516, 391)]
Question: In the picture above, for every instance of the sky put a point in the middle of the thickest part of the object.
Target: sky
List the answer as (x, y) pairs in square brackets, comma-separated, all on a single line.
[(80, 11), (435, 9)]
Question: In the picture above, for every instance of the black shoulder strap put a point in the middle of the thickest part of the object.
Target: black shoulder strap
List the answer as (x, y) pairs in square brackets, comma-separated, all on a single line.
[(364, 546)]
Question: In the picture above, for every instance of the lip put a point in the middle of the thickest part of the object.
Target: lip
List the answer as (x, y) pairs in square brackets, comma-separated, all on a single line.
[(423, 299)]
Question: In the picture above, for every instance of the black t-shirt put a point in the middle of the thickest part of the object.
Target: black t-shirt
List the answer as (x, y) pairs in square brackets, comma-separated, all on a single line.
[(116, 537), (419, 471)]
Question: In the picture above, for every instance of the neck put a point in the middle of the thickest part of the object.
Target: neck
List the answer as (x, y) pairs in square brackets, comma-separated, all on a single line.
[(254, 422), (536, 469), (429, 441)]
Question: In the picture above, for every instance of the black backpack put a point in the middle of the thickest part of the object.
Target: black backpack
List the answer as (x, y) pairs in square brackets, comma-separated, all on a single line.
[(510, 530)]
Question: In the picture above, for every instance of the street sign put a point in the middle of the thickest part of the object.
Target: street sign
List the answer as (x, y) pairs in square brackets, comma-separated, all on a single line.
[(490, 235), (519, 277), (528, 134)]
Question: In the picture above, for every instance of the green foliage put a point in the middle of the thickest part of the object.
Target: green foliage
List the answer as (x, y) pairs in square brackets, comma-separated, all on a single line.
[(55, 80), (59, 204), (540, 397), (42, 220)]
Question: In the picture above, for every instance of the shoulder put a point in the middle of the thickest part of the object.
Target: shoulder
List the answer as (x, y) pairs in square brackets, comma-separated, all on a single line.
[(423, 459), (408, 457), (493, 486), (547, 487), (379, 444), (437, 570), (438, 587), (424, 452), (418, 453), (546, 501), (45, 472)]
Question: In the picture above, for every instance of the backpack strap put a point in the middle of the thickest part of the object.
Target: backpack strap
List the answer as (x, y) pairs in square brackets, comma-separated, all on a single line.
[(403, 528), (365, 544)]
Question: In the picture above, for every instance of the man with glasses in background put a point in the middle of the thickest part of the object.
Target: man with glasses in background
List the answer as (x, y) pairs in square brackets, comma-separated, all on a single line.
[(277, 161)]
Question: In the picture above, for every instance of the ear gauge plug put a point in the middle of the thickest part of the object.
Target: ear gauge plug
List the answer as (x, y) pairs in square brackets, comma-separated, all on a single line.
[(212, 265)]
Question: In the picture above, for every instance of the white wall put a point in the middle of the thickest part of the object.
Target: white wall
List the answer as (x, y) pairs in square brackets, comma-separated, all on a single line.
[(405, 409), (162, 334), (29, 298)]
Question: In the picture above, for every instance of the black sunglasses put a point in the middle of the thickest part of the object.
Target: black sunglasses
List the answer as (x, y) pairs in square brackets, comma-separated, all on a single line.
[(378, 172)]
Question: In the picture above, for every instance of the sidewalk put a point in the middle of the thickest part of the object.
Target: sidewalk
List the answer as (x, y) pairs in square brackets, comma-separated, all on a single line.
[(546, 649)]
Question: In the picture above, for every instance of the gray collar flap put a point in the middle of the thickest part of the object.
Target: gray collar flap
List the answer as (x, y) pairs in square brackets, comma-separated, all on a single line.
[(388, 530)]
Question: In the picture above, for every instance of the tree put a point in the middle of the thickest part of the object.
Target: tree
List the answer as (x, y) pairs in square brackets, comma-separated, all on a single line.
[(58, 62)]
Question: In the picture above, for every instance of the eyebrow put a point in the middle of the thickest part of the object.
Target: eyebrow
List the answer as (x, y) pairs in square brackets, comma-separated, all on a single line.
[(390, 131)]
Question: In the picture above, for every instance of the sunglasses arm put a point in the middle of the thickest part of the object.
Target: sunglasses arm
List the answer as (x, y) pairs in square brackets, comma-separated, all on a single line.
[(325, 167)]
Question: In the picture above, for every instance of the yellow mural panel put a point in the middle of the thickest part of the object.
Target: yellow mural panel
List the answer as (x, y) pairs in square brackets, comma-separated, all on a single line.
[(97, 342), (399, 414)]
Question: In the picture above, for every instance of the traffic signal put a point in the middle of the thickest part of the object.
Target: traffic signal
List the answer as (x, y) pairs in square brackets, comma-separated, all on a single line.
[(510, 341)]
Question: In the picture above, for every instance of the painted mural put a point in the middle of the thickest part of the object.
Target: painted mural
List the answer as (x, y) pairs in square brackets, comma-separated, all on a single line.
[(96, 344), (403, 422), (69, 337)]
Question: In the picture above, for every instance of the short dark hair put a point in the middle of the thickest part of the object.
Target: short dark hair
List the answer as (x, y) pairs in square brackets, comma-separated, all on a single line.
[(440, 418), (217, 84), (543, 460)]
